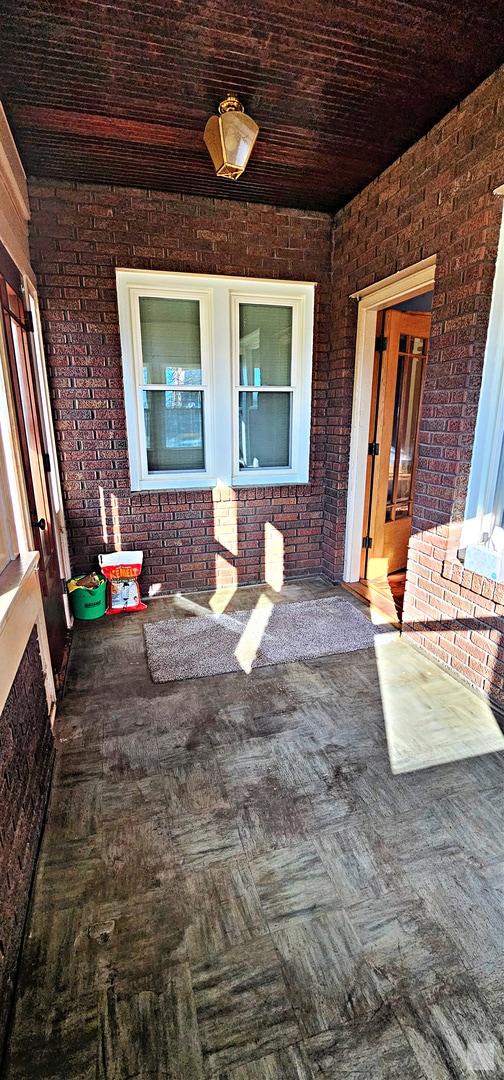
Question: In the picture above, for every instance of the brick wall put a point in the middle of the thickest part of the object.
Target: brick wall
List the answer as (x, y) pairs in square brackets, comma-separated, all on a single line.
[(436, 199), (26, 756), (79, 234)]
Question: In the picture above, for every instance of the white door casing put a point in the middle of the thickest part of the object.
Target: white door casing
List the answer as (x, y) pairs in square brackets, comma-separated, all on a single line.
[(392, 290)]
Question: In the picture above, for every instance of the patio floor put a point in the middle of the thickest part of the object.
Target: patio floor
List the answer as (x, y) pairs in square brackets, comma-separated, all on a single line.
[(233, 884)]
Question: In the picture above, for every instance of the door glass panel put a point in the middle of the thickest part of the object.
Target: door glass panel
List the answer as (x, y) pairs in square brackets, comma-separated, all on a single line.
[(265, 345), (15, 303), (265, 420), (42, 537), (393, 448), (173, 422), (171, 341), (404, 431), (408, 421)]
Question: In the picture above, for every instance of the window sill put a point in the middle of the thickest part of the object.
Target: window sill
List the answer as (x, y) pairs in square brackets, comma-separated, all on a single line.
[(246, 480), (454, 570)]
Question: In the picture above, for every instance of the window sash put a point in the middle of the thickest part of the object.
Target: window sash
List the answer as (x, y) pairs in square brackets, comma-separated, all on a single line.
[(266, 349), (181, 477), (250, 474), (247, 442), (179, 424)]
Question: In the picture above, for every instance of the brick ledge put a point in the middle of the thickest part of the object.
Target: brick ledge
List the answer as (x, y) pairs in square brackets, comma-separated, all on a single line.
[(453, 570)]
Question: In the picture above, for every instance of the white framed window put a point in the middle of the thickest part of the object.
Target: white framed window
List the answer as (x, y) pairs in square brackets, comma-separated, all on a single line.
[(485, 497), (217, 379)]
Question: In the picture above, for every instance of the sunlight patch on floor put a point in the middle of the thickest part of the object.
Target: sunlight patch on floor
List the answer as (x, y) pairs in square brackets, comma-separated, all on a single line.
[(221, 598), (430, 718), (250, 641), (191, 607), (378, 617)]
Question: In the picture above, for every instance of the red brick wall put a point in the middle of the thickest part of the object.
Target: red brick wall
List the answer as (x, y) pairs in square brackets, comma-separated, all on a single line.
[(79, 234), (26, 757), (436, 199)]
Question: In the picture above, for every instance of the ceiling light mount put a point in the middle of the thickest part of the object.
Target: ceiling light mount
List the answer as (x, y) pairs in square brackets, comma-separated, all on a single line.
[(231, 104), (230, 137)]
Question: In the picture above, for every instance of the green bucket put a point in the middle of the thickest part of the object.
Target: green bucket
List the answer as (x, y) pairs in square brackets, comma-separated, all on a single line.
[(89, 603)]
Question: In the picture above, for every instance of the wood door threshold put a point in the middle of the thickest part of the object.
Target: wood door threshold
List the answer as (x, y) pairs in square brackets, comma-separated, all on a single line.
[(374, 597)]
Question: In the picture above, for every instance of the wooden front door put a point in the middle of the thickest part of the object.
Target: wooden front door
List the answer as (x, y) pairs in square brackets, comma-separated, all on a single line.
[(393, 442), (16, 329)]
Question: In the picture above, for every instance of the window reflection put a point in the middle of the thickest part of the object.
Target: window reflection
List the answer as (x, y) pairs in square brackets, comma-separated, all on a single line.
[(406, 414), (174, 430), (265, 421), (171, 342), (265, 345), (171, 357)]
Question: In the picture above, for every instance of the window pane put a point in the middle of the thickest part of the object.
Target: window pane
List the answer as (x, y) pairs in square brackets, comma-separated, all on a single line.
[(265, 345), (171, 343), (173, 429), (264, 430)]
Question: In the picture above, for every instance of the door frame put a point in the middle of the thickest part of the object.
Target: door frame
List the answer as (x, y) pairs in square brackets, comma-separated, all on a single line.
[(404, 285), (54, 480)]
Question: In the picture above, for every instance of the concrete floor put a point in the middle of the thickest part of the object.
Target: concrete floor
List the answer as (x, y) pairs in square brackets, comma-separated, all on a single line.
[(233, 884)]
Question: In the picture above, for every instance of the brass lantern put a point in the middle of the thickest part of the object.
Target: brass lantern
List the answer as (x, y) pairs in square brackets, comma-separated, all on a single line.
[(230, 137)]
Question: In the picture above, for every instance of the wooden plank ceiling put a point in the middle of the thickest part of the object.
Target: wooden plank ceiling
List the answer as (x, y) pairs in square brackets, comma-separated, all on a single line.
[(119, 93)]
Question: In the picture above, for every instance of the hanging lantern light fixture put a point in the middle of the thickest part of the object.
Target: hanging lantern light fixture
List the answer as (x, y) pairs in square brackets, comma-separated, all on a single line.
[(230, 137)]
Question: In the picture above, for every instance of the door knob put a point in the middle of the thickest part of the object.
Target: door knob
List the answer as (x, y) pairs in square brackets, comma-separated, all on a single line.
[(40, 524)]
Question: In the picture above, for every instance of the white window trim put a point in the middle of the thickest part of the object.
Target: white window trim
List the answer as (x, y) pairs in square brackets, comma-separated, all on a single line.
[(219, 298), (489, 431)]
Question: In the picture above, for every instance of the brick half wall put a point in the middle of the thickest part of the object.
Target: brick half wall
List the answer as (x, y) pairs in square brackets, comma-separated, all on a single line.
[(26, 756)]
